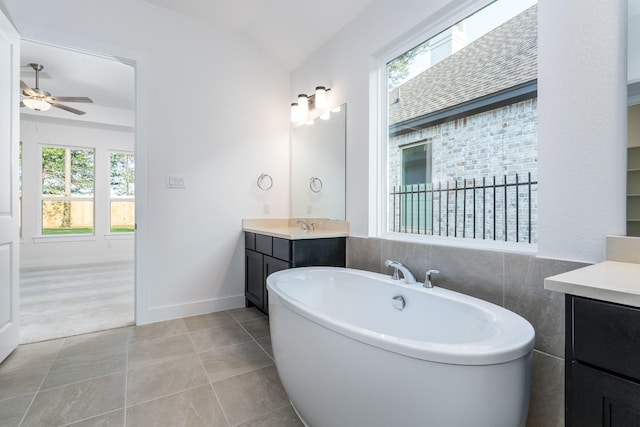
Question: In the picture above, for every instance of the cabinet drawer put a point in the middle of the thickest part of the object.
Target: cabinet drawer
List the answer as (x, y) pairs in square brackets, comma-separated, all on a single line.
[(250, 241), (281, 249), (607, 335), (264, 244)]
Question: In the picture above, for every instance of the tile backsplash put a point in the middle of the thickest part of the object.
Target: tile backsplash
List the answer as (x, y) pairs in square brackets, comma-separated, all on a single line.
[(623, 249)]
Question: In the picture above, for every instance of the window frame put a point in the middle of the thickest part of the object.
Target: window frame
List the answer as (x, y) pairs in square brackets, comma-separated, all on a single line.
[(120, 198), (42, 198), (379, 186)]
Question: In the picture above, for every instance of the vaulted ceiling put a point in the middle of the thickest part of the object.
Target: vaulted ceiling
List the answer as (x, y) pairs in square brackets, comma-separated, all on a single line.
[(288, 29)]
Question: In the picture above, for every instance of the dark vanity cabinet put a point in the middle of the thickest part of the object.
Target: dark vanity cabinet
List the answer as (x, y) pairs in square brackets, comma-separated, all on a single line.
[(602, 371), (266, 254)]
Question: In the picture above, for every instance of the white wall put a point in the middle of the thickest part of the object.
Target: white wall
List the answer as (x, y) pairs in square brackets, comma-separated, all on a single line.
[(193, 84), (37, 251), (633, 42), (582, 129), (581, 113)]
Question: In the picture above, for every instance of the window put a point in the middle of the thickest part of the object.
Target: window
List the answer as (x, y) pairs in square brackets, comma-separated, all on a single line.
[(67, 191), (122, 194), (416, 167), (461, 147)]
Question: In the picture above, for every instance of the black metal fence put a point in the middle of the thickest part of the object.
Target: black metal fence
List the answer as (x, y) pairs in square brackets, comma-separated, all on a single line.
[(490, 208)]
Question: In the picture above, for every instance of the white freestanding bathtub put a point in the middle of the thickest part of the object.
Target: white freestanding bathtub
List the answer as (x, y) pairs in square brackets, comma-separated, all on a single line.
[(348, 358)]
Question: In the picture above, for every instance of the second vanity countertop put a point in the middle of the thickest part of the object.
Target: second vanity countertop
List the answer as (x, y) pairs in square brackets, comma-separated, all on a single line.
[(613, 281), (286, 228)]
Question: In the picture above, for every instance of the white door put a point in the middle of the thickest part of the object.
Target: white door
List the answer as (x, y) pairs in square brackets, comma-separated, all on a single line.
[(9, 215)]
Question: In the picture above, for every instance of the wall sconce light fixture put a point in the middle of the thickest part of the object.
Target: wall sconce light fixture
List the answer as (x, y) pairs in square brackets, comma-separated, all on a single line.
[(309, 107)]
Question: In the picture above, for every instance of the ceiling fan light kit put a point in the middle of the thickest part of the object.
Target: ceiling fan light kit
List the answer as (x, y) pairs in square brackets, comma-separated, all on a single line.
[(36, 104), (41, 100)]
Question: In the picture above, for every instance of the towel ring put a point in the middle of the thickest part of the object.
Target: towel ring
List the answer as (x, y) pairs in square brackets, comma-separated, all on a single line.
[(261, 182), (315, 184)]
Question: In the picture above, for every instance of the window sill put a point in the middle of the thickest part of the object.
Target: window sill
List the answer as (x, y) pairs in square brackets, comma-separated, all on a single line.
[(459, 242), (57, 239), (120, 236)]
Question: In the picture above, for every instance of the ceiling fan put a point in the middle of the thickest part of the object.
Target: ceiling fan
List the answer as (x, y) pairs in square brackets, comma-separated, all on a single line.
[(41, 100)]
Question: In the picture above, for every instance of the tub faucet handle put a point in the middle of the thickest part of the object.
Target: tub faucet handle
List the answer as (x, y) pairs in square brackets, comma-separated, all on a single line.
[(394, 265), (427, 279)]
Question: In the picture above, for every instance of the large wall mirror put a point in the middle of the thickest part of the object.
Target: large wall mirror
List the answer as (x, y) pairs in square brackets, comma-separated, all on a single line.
[(633, 118), (318, 168)]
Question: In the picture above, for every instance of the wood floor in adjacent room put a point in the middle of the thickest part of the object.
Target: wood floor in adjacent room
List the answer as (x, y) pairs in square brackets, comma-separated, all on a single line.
[(62, 302)]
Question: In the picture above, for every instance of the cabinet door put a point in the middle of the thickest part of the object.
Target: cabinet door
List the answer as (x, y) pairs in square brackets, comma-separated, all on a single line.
[(600, 399), (271, 265), (254, 278)]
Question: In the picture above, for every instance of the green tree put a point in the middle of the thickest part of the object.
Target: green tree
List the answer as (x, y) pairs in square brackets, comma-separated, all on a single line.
[(65, 172), (398, 69), (122, 174), (53, 171), (81, 173)]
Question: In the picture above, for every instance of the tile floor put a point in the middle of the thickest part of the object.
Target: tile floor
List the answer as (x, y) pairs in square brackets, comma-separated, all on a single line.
[(211, 370)]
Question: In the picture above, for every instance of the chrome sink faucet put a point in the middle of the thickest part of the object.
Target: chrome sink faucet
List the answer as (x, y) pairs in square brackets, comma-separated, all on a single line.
[(398, 267), (304, 226)]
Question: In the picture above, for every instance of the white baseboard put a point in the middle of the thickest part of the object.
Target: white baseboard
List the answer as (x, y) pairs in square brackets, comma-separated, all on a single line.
[(177, 311)]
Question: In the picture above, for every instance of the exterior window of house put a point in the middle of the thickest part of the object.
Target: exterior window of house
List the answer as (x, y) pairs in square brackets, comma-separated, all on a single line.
[(122, 193), (461, 146), (67, 191), (416, 167)]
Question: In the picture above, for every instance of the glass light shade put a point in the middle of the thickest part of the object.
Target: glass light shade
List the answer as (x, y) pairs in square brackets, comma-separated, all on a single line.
[(36, 104), (321, 97), (295, 113), (303, 103)]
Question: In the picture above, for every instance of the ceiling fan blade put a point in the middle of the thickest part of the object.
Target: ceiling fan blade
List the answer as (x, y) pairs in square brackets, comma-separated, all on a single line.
[(26, 89), (67, 108), (71, 99)]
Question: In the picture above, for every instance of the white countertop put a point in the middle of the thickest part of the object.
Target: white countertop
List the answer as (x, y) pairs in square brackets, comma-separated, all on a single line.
[(287, 229), (612, 281)]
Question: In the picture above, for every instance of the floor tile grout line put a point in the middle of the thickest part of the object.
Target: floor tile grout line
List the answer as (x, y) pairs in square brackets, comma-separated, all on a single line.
[(91, 417), (44, 377), (160, 338), (256, 340), (224, 414)]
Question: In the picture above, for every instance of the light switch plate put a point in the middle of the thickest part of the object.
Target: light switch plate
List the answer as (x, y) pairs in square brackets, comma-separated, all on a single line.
[(174, 181)]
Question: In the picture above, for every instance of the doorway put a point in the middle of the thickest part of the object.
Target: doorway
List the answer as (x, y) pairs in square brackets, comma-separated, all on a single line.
[(77, 194)]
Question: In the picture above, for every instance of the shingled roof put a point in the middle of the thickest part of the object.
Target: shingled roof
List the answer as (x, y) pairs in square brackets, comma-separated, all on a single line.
[(506, 57)]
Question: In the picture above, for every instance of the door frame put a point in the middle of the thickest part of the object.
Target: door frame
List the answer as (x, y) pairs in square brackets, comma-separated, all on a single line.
[(139, 63)]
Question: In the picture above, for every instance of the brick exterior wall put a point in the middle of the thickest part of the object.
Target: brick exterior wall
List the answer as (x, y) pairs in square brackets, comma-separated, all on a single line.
[(497, 142)]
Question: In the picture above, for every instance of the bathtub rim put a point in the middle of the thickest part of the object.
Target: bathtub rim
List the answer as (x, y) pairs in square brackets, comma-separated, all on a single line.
[(458, 354)]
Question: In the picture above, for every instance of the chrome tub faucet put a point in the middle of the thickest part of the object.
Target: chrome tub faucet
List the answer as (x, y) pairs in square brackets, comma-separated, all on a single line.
[(398, 267)]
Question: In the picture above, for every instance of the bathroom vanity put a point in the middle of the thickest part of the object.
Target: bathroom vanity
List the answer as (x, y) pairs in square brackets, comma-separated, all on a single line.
[(272, 246), (602, 363), (602, 347)]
